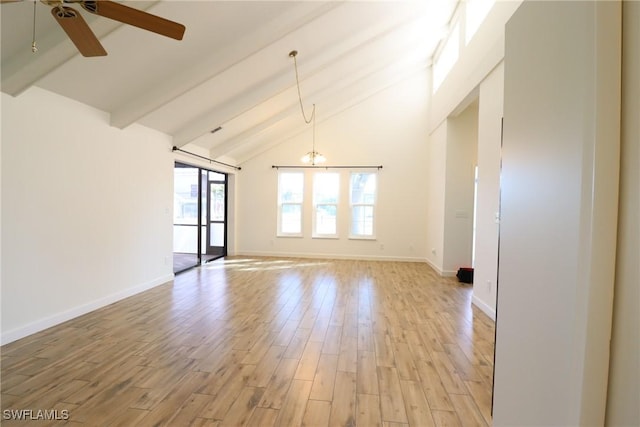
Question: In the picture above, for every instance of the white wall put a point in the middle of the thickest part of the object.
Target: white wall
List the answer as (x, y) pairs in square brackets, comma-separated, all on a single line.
[(1, 270), (483, 53), (452, 160), (559, 213), (624, 373), (477, 70), (86, 216), (437, 161), (462, 143), (386, 129), (488, 204)]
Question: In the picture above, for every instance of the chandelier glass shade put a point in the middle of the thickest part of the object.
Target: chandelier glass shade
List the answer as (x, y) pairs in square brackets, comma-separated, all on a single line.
[(314, 158)]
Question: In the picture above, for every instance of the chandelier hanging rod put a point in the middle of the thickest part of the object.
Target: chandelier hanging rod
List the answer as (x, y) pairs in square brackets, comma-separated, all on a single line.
[(293, 55), (312, 156)]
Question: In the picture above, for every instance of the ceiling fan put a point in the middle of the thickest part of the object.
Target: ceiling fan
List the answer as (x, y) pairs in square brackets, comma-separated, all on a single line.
[(86, 41)]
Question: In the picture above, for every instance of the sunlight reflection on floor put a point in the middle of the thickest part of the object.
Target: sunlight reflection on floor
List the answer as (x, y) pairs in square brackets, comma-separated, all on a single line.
[(258, 264)]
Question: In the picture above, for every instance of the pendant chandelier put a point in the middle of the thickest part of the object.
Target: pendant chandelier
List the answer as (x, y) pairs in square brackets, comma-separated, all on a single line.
[(312, 156)]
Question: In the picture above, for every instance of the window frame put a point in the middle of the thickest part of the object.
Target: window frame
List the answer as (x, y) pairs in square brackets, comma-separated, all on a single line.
[(314, 229), (446, 58), (353, 205), (475, 13), (281, 204)]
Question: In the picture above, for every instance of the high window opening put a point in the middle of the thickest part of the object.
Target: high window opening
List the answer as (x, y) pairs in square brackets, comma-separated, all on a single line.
[(475, 13), (465, 24), (447, 58)]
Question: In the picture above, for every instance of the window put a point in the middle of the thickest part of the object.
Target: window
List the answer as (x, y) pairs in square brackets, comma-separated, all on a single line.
[(476, 12), (363, 202), (290, 197), (447, 58), (326, 187)]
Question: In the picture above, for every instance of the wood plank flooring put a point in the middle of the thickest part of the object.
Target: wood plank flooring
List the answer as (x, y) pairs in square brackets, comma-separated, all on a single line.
[(265, 342)]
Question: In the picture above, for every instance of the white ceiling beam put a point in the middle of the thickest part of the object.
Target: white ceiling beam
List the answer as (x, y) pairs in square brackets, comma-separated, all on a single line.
[(352, 98), (217, 116), (150, 99), (341, 94), (253, 132), (353, 47), (251, 98)]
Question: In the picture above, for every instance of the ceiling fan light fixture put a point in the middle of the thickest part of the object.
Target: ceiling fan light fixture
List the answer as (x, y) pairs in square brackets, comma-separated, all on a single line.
[(81, 34)]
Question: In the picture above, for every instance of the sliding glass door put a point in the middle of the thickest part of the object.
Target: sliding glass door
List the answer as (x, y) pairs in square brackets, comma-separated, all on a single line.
[(186, 205), (199, 216), (216, 214)]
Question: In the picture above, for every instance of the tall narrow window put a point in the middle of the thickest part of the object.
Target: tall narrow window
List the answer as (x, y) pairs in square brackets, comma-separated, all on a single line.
[(363, 188), (477, 11), (447, 58), (290, 197), (325, 204)]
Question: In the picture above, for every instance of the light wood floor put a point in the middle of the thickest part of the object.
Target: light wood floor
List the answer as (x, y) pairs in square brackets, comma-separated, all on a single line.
[(267, 341)]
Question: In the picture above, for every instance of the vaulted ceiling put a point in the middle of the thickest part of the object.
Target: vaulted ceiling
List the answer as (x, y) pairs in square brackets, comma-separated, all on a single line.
[(232, 69)]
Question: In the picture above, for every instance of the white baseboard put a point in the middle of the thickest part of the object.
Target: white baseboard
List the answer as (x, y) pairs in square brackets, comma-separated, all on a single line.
[(331, 256), (484, 307), (443, 273), (56, 319)]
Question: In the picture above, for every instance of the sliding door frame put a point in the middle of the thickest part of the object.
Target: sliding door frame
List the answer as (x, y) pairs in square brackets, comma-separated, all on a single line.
[(204, 252)]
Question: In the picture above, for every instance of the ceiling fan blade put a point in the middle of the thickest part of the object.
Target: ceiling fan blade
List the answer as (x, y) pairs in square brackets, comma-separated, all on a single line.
[(78, 31), (135, 17)]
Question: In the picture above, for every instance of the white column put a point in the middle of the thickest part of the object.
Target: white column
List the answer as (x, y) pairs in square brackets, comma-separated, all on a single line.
[(559, 206)]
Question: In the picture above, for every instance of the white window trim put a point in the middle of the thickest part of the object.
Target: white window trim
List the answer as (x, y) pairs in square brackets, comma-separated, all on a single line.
[(279, 232), (475, 13), (314, 233), (449, 53), (372, 236), (317, 235)]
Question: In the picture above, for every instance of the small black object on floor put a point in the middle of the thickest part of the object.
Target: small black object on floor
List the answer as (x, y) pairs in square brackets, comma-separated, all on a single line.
[(465, 275)]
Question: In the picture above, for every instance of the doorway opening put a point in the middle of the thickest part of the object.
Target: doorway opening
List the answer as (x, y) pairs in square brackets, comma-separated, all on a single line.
[(199, 216)]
